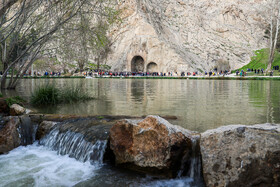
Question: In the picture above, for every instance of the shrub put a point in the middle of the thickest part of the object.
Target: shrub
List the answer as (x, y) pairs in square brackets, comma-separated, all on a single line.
[(45, 95), (73, 94), (50, 95), (1, 95), (15, 100)]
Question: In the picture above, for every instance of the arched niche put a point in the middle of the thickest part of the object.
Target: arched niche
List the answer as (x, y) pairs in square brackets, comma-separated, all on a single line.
[(137, 64), (152, 67)]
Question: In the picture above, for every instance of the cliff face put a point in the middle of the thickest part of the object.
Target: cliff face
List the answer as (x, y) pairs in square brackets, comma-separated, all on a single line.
[(187, 35)]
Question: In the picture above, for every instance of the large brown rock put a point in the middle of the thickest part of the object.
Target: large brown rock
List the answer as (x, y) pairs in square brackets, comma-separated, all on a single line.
[(9, 136), (241, 155), (151, 145)]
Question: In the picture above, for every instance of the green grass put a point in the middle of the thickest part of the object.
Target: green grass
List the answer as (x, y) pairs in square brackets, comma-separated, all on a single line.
[(73, 94), (260, 60), (15, 100), (50, 95), (45, 95)]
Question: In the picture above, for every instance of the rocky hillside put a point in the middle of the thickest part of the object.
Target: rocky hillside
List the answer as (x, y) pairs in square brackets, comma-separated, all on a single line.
[(187, 35)]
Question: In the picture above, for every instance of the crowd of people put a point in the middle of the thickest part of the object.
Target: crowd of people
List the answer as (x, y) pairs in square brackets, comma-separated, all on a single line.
[(158, 74), (102, 73)]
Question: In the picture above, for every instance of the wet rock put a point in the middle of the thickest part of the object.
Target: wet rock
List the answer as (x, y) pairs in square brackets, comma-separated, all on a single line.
[(151, 145), (44, 128), (16, 110), (241, 155), (9, 136), (4, 107)]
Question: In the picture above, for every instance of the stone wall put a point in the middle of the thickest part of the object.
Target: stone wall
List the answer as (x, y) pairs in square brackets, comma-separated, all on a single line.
[(181, 35)]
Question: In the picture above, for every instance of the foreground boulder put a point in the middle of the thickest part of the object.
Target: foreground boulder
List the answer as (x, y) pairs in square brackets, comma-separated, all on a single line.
[(9, 136), (241, 155), (151, 145)]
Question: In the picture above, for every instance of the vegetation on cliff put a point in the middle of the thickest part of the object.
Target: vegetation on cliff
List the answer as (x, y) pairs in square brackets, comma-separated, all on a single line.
[(260, 60)]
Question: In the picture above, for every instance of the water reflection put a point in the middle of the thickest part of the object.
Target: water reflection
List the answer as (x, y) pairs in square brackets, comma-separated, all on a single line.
[(137, 90), (199, 104)]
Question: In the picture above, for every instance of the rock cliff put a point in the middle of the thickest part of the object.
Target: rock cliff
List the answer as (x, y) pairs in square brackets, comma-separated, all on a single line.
[(184, 35)]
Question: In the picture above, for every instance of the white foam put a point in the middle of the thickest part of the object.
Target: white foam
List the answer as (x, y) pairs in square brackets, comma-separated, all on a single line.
[(36, 165)]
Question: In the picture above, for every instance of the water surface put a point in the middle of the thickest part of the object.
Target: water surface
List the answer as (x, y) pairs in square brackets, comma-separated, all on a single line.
[(198, 104)]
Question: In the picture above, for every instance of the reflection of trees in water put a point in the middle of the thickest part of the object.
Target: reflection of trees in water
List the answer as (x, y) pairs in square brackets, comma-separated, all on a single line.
[(266, 94)]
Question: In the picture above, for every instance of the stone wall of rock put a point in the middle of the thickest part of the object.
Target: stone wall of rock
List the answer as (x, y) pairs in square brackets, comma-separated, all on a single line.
[(183, 35), (241, 155)]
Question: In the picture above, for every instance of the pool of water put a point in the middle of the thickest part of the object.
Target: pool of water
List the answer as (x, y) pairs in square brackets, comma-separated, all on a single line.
[(198, 104), (39, 166)]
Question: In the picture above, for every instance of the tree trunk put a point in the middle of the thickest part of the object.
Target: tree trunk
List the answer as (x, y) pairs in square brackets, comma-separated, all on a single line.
[(4, 77), (3, 83)]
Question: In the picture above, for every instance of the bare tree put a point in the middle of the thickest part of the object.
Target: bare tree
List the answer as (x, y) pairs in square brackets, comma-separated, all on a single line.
[(88, 33), (273, 31), (28, 26)]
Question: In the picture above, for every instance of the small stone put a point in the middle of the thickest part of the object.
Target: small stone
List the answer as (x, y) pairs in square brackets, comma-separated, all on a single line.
[(16, 110)]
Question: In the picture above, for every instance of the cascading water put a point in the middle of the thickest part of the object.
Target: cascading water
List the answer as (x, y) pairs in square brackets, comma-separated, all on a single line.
[(48, 163), (195, 171), (190, 173), (74, 145), (27, 130)]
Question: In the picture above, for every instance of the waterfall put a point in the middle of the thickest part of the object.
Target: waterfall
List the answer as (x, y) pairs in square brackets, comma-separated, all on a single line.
[(191, 164), (75, 145), (27, 130)]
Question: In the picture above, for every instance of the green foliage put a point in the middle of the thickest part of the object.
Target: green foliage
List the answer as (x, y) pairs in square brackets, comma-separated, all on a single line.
[(260, 60), (93, 66), (73, 94), (15, 100), (50, 95), (1, 95), (45, 95), (100, 117)]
